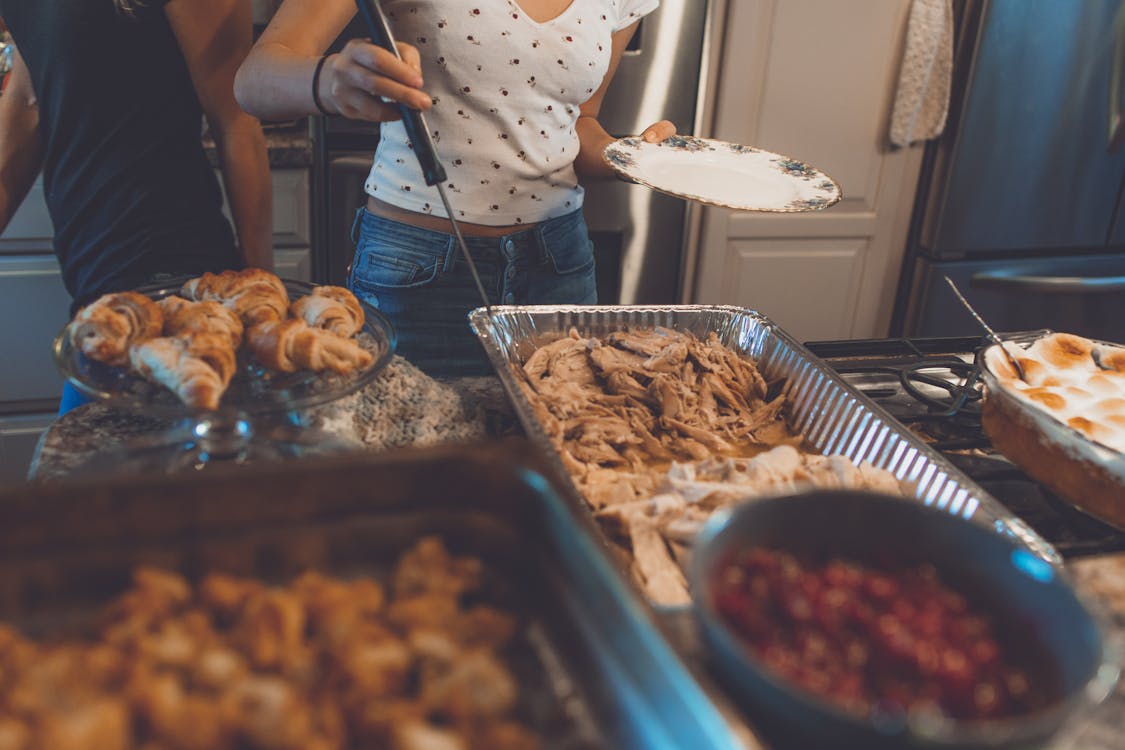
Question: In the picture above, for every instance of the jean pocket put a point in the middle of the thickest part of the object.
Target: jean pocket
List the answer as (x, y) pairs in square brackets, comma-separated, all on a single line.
[(378, 266), (574, 257)]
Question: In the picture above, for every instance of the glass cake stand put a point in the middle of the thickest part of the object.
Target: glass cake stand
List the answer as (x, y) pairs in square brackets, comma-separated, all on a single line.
[(261, 416)]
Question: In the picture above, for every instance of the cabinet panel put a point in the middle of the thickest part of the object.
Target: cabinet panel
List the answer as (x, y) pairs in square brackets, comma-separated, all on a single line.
[(30, 229), (19, 436), (293, 263), (31, 292), (765, 275), (290, 207)]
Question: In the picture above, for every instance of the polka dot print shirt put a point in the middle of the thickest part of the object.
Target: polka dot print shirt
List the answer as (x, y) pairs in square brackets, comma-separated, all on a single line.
[(506, 92)]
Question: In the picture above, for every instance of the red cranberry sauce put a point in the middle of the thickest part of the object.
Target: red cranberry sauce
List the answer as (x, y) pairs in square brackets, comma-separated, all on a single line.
[(872, 639)]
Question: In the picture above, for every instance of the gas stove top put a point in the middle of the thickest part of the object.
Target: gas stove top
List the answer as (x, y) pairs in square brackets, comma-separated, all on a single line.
[(931, 385)]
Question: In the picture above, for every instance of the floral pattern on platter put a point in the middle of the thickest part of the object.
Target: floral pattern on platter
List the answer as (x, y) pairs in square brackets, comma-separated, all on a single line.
[(717, 173), (808, 204), (687, 143), (797, 168), (620, 159)]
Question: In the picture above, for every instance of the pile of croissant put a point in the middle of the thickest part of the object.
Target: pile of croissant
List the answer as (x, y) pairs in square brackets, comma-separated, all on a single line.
[(188, 343)]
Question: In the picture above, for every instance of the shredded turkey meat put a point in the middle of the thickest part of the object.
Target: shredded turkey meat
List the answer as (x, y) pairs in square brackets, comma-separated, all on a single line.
[(659, 429), (685, 496), (636, 400), (321, 664)]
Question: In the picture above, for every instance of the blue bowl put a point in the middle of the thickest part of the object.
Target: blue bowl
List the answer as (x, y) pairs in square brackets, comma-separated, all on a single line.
[(1031, 603)]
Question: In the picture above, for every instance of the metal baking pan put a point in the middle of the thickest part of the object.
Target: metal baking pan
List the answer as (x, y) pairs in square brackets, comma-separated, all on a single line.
[(834, 417), (594, 669)]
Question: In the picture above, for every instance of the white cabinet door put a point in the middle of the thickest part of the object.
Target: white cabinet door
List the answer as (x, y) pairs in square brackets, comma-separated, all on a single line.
[(292, 257), (19, 436), (34, 307), (30, 230), (290, 208), (813, 79), (293, 263), (291, 232)]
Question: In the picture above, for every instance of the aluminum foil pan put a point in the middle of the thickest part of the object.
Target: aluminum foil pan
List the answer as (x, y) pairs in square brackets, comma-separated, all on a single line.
[(834, 417)]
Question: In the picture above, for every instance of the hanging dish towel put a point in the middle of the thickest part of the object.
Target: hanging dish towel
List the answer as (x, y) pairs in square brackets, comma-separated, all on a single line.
[(922, 99)]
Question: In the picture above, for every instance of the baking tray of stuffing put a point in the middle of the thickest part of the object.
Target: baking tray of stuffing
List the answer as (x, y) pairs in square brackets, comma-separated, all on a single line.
[(442, 598), (657, 416)]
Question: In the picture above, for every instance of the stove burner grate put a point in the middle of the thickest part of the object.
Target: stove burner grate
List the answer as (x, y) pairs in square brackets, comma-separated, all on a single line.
[(964, 390), (933, 387), (948, 386)]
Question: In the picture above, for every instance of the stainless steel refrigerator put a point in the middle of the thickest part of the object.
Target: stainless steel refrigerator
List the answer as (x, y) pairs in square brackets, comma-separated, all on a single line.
[(1020, 201), (640, 236)]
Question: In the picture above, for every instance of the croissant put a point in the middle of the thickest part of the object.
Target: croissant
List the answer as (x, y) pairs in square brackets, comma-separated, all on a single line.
[(332, 308), (197, 368), (291, 345), (254, 295), (184, 317), (106, 328)]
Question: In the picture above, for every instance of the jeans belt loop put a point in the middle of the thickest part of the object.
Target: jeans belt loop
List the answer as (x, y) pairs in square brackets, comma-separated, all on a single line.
[(540, 241), (452, 255), (357, 222)]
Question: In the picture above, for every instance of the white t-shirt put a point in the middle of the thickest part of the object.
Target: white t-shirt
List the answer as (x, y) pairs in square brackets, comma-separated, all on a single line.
[(506, 93)]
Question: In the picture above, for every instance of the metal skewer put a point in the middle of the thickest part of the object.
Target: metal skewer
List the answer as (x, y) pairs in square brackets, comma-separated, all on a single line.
[(990, 334), (419, 134)]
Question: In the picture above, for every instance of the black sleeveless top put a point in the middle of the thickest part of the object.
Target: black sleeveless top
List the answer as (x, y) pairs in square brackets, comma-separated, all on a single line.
[(128, 185)]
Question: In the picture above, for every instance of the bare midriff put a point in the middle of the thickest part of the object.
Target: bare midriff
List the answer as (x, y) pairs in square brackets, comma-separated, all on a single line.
[(438, 223)]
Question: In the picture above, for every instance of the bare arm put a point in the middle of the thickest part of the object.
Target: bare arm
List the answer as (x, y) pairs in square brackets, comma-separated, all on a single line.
[(21, 147), (592, 137), (275, 82), (214, 37)]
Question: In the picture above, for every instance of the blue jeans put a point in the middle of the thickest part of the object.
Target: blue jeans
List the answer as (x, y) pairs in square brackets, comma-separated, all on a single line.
[(418, 279)]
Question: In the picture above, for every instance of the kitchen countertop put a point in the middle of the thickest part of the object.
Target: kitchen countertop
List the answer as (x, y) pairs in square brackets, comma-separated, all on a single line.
[(402, 407), (405, 408), (288, 146), (1103, 578)]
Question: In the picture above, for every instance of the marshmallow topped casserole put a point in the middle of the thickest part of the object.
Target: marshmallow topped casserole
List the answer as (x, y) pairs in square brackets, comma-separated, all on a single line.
[(1064, 421)]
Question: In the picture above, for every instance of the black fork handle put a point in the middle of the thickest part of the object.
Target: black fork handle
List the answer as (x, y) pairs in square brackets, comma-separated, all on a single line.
[(416, 129)]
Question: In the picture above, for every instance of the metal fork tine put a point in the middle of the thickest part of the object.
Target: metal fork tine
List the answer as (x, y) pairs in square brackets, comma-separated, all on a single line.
[(991, 334)]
